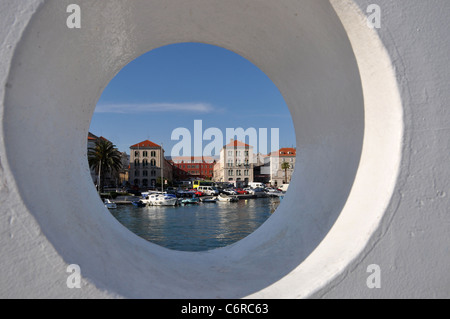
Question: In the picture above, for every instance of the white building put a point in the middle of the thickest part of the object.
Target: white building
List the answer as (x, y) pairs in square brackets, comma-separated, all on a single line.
[(235, 164), (278, 174)]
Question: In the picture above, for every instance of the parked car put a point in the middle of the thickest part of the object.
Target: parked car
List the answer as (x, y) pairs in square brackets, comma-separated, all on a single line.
[(249, 190), (229, 191), (196, 192), (208, 190), (256, 185), (240, 191), (259, 192)]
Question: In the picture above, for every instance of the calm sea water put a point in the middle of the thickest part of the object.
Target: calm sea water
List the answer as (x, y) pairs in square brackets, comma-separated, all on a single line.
[(196, 227)]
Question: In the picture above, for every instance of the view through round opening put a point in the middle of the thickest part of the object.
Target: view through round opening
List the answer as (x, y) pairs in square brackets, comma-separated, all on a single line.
[(186, 117)]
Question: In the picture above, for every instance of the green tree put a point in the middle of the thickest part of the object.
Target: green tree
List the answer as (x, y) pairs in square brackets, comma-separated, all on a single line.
[(104, 158), (285, 166)]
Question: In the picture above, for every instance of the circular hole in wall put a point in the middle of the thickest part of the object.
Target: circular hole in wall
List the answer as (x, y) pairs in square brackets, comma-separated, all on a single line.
[(57, 76), (191, 147)]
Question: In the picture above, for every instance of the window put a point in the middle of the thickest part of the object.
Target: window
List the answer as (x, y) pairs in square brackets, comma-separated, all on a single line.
[(145, 154), (145, 173), (136, 173), (230, 153), (230, 172), (153, 153), (153, 162), (145, 163), (136, 153)]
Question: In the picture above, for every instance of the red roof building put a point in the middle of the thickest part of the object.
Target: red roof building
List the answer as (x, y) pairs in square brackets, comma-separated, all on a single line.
[(189, 167), (148, 164), (145, 144), (285, 152)]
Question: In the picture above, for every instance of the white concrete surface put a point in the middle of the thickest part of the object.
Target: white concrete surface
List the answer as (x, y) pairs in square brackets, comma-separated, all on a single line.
[(371, 181)]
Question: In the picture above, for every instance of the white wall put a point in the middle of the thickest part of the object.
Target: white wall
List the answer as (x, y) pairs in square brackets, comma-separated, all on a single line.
[(369, 109)]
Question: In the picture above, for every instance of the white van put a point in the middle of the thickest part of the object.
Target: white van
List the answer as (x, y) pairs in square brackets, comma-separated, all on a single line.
[(208, 190), (284, 187), (256, 185)]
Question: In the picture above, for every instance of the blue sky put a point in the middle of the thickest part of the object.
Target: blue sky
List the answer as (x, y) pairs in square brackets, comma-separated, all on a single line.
[(174, 85)]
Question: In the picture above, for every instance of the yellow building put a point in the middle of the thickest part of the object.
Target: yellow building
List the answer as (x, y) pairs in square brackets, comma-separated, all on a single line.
[(147, 161)]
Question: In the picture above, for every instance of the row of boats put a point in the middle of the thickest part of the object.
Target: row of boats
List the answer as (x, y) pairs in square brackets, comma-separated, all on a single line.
[(154, 198), (164, 199)]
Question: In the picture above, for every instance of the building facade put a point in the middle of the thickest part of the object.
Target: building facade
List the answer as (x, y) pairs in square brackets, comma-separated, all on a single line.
[(276, 160), (235, 164), (148, 165), (261, 169), (111, 179), (190, 167)]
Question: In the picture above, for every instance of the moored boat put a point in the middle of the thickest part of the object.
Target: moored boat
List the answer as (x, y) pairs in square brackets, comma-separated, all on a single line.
[(138, 203), (109, 204), (162, 199), (227, 198), (192, 200), (211, 199)]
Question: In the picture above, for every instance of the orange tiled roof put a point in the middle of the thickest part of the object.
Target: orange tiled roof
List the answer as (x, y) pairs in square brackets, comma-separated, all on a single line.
[(234, 143), (144, 144), (92, 137), (286, 151)]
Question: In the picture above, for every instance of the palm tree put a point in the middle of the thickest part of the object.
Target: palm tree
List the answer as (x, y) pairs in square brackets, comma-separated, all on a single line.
[(285, 166), (104, 158)]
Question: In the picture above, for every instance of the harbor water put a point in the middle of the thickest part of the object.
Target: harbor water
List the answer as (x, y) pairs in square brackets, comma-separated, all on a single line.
[(196, 227)]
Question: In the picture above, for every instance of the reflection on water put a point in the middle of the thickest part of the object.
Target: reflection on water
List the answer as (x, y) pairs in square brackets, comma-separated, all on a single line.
[(198, 227)]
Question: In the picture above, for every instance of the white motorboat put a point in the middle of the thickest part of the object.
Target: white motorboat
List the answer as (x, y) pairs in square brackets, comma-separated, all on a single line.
[(274, 193), (109, 204), (227, 198), (161, 200), (192, 200), (211, 199)]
